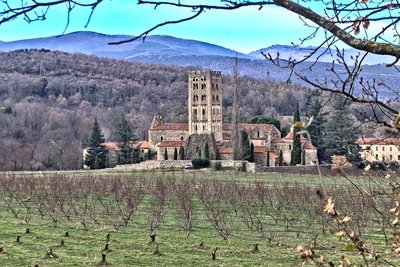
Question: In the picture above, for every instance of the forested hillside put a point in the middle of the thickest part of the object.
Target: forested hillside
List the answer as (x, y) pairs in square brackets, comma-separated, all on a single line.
[(48, 102)]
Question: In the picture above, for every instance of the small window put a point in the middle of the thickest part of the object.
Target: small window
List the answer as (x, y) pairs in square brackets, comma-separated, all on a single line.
[(391, 157), (217, 98), (383, 158), (204, 127), (290, 147), (376, 148), (204, 112), (142, 151), (383, 148), (203, 86), (162, 138), (376, 156), (195, 111), (181, 138), (390, 148), (258, 134), (195, 127), (398, 157)]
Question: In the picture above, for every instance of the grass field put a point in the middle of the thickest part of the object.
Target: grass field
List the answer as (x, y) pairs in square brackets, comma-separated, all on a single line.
[(294, 216)]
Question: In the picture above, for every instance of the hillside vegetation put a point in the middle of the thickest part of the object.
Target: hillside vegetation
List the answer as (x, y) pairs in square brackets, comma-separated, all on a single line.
[(49, 100)]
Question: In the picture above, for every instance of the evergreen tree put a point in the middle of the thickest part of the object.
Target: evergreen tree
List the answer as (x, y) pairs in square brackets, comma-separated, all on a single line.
[(217, 154), (181, 153), (340, 134), (296, 150), (96, 157), (206, 151), (245, 145), (124, 138), (316, 127), (165, 154), (251, 158), (303, 157), (280, 159), (149, 154), (175, 153), (268, 159)]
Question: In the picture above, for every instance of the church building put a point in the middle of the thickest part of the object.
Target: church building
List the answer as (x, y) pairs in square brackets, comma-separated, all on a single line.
[(205, 125)]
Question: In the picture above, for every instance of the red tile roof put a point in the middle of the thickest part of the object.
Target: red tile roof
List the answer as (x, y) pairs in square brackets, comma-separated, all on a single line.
[(277, 140), (273, 155), (142, 144), (250, 127), (111, 146), (172, 144), (289, 136), (172, 126), (225, 150), (309, 146), (259, 149), (378, 141)]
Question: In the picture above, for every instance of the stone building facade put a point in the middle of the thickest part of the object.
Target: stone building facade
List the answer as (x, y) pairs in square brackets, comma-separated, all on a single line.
[(205, 125), (380, 149)]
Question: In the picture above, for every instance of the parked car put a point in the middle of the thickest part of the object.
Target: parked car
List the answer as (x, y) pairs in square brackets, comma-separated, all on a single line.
[(188, 166)]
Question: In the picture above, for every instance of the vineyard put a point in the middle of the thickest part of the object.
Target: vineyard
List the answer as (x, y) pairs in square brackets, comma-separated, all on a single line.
[(197, 218)]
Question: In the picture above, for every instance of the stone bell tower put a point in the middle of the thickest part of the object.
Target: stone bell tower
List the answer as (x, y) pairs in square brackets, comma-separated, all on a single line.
[(205, 103)]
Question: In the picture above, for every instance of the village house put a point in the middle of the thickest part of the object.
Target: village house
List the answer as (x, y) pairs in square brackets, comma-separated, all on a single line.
[(380, 149)]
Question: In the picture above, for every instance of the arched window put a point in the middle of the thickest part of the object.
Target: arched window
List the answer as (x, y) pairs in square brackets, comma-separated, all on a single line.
[(217, 98), (162, 138), (181, 138)]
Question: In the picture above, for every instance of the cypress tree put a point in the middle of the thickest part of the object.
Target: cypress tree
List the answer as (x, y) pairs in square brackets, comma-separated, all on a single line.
[(245, 145), (296, 150), (280, 159), (124, 137), (217, 154), (251, 158), (148, 154), (206, 151), (165, 154), (175, 153), (268, 159), (303, 157), (181, 153), (96, 157), (340, 133)]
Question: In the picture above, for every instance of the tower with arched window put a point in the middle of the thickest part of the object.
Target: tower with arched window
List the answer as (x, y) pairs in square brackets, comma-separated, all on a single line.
[(205, 103)]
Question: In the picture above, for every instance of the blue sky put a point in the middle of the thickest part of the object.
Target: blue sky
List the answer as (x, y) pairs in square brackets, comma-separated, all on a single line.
[(244, 30)]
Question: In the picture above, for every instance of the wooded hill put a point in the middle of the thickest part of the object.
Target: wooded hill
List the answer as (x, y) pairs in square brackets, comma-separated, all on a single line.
[(49, 100)]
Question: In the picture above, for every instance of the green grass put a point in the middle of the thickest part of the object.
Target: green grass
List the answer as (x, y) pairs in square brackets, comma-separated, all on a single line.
[(130, 246)]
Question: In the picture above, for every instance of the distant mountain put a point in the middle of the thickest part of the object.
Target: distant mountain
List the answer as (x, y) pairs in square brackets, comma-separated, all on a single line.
[(92, 43), (299, 53), (167, 50)]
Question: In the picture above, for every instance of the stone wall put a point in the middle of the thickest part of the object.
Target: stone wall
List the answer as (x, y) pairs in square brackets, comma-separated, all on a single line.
[(239, 165), (155, 164), (179, 164)]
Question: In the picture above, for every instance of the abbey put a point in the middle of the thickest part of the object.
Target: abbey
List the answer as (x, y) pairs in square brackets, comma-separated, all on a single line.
[(205, 125)]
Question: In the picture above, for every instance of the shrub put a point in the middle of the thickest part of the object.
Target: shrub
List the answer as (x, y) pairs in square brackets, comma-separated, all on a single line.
[(218, 166), (200, 163)]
